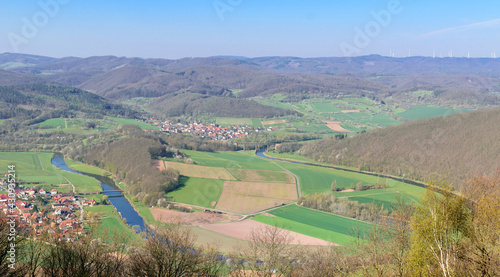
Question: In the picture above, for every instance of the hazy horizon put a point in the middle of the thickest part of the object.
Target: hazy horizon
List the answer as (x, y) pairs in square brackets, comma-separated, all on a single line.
[(207, 28)]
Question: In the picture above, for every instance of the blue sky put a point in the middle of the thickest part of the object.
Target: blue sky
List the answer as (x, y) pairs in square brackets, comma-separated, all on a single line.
[(252, 28)]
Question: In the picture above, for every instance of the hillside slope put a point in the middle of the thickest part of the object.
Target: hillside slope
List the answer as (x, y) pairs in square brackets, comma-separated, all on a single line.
[(452, 147)]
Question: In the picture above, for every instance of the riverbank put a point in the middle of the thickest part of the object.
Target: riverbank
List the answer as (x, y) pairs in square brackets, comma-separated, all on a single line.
[(122, 205)]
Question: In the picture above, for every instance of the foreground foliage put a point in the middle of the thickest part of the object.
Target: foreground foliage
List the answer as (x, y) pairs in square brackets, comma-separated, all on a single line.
[(443, 235)]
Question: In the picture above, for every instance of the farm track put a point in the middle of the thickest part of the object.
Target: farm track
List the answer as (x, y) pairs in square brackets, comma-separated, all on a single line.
[(297, 181), (231, 213)]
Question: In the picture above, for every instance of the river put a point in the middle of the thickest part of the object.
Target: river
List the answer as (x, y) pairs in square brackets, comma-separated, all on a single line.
[(116, 198)]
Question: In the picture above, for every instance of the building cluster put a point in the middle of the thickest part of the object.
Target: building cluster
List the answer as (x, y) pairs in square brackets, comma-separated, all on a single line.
[(58, 219), (212, 131)]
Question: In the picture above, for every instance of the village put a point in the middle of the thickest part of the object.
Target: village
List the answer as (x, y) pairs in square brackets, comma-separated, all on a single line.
[(41, 211), (213, 131)]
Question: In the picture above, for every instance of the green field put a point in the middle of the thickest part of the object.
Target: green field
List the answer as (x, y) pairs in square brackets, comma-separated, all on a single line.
[(312, 127), (256, 122), (316, 224), (324, 107), (381, 120), (55, 123), (28, 168), (226, 121), (250, 175), (111, 225), (1, 121), (241, 159), (295, 157), (197, 191), (427, 111), (80, 167), (142, 125), (77, 125), (82, 183), (315, 179)]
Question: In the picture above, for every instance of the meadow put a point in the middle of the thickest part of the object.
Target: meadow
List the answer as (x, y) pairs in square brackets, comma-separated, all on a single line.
[(316, 179), (82, 183), (79, 125), (233, 121), (111, 227), (142, 125), (325, 226), (197, 191), (241, 159), (29, 169), (54, 123)]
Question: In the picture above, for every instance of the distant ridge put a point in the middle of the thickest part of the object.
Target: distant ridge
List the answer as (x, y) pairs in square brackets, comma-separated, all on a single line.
[(452, 82)]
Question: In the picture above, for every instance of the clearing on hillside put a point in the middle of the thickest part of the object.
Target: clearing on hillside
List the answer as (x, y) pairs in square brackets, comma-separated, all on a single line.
[(262, 175), (250, 197), (197, 171)]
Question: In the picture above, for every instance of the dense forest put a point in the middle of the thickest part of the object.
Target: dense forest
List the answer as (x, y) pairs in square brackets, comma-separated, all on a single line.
[(21, 100), (451, 147)]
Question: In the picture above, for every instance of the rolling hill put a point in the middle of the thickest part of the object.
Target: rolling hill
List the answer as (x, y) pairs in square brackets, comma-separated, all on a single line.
[(451, 82), (452, 147)]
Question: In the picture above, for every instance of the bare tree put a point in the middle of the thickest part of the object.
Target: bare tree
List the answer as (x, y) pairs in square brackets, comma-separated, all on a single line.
[(268, 253), (170, 252)]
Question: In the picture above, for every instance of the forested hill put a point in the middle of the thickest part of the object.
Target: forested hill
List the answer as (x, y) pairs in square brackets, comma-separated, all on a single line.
[(453, 147), (38, 102), (118, 78)]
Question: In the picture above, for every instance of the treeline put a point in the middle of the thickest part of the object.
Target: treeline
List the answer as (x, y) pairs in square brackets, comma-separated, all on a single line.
[(268, 138), (330, 203), (450, 147), (181, 141)]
